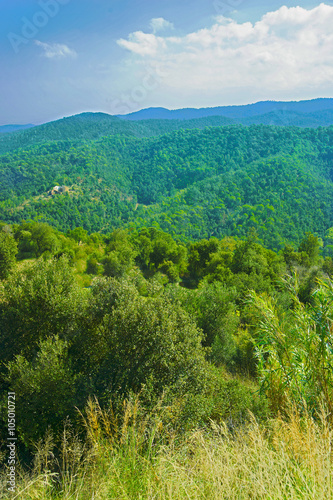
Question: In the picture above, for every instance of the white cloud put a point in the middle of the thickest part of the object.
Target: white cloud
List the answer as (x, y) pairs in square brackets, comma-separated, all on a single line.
[(55, 50), (289, 50), (160, 24), (143, 44)]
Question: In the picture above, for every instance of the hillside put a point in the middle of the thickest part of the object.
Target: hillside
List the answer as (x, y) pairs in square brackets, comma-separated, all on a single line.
[(194, 183)]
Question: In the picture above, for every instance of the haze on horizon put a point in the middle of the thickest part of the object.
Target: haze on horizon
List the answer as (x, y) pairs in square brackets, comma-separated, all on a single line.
[(63, 57)]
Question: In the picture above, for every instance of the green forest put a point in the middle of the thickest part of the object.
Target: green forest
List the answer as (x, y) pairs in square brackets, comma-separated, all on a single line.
[(166, 310), (193, 184)]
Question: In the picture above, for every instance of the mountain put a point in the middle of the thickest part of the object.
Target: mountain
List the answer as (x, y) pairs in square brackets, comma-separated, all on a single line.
[(284, 118), (194, 178), (7, 129), (91, 126), (237, 113), (86, 126), (157, 121), (194, 184)]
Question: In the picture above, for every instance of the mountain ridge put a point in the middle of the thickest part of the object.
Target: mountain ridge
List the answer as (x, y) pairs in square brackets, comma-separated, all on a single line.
[(7, 129), (91, 126), (233, 111)]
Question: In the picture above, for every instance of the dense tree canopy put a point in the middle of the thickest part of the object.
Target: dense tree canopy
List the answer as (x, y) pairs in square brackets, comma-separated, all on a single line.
[(195, 184)]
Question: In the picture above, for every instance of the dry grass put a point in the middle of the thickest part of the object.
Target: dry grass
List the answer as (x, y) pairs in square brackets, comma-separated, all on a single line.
[(136, 458)]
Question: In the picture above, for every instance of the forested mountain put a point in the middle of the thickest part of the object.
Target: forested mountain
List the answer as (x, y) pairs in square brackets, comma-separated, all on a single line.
[(89, 126), (192, 183), (86, 126), (156, 121), (7, 129), (311, 113)]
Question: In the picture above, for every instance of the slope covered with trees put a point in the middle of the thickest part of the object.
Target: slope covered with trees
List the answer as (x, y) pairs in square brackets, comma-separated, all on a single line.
[(219, 181)]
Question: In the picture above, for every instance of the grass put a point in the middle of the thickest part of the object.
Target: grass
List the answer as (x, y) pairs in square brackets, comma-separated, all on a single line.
[(138, 457)]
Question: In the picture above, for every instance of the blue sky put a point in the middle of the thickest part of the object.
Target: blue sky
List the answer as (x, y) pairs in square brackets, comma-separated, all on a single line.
[(62, 57)]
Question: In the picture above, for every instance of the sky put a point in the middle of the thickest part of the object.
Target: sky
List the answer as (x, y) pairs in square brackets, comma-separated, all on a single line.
[(63, 57)]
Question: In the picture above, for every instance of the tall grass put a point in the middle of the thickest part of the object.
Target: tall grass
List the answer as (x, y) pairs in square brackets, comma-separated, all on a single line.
[(137, 457)]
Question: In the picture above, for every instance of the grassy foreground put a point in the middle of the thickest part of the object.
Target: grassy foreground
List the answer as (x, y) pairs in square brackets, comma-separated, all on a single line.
[(140, 458)]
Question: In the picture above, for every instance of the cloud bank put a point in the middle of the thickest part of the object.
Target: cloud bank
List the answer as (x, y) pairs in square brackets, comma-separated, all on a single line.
[(288, 49)]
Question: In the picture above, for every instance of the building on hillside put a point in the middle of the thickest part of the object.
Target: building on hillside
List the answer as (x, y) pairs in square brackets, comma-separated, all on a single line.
[(59, 189)]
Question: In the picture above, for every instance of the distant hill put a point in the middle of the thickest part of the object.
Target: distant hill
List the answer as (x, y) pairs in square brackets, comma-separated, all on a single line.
[(7, 129), (237, 113)]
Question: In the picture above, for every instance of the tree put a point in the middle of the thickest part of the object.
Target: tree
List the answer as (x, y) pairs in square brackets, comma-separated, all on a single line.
[(143, 340), (36, 238), (157, 251), (45, 387), (44, 238), (310, 246), (120, 254), (41, 301), (93, 266), (200, 254), (8, 251), (78, 234)]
